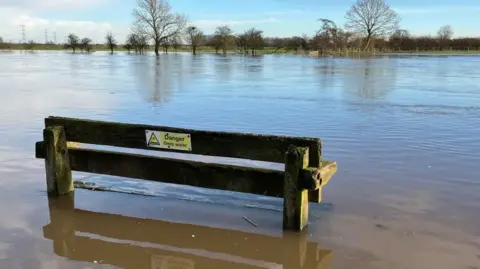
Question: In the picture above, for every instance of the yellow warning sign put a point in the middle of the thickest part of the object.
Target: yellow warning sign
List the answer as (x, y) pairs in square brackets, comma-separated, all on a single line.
[(153, 140), (168, 140)]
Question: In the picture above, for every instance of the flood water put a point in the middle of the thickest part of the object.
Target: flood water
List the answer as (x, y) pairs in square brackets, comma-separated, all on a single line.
[(405, 132)]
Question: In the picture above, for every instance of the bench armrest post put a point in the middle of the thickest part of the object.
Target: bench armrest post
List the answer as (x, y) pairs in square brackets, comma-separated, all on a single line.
[(295, 206), (57, 163), (315, 196)]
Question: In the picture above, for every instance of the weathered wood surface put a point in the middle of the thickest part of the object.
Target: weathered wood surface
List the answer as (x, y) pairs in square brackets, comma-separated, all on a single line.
[(255, 247), (185, 172), (302, 181), (57, 163), (324, 173), (237, 145), (321, 176), (295, 205)]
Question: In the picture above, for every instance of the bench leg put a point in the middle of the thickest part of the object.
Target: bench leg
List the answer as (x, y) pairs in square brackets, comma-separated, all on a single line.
[(295, 205), (57, 163)]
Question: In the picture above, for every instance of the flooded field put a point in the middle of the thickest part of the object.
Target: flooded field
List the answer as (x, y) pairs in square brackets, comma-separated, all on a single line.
[(403, 130)]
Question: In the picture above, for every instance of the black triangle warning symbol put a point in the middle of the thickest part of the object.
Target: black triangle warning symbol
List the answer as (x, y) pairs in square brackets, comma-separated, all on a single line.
[(153, 140)]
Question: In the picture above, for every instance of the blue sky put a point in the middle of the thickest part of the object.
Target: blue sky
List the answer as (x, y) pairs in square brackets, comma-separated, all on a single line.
[(275, 17)]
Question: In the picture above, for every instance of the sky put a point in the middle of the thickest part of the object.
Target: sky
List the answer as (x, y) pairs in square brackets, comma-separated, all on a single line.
[(93, 18)]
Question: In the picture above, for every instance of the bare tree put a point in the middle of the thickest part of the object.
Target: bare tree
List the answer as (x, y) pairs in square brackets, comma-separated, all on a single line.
[(73, 42), (141, 43), (215, 42), (278, 43), (130, 43), (445, 34), (195, 37), (398, 39), (305, 42), (154, 19), (110, 41), (343, 39), (176, 41), (128, 46), (137, 42), (173, 41), (241, 42), (372, 18), (86, 44), (326, 37), (224, 36), (30, 45), (296, 42), (254, 39), (3, 44), (165, 44)]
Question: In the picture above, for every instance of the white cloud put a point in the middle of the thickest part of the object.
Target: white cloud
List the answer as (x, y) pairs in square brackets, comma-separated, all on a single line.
[(13, 18), (210, 25), (437, 10), (285, 12), (15, 13), (250, 15), (49, 4)]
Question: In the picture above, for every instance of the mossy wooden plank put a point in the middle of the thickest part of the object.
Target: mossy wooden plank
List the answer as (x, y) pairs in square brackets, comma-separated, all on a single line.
[(324, 173), (57, 162), (295, 206), (40, 150), (315, 157), (185, 172), (237, 145)]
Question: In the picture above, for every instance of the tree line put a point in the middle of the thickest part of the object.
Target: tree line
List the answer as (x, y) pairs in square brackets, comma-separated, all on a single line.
[(370, 25)]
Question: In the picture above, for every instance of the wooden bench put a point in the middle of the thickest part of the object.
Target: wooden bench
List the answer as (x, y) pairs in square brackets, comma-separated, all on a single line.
[(302, 181)]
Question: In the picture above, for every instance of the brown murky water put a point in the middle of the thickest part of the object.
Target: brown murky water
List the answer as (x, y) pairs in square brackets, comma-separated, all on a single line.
[(403, 130)]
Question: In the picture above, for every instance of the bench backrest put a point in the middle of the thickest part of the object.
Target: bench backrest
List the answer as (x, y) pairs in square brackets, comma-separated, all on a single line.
[(301, 181), (236, 145)]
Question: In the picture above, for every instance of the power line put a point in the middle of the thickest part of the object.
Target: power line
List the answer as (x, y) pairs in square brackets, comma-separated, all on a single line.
[(46, 36), (23, 34), (55, 37)]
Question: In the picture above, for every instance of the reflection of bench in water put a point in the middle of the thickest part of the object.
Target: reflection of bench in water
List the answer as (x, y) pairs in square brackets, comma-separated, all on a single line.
[(135, 243), (302, 180)]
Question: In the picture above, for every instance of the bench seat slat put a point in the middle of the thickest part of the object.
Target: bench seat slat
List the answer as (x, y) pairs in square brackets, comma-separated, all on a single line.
[(228, 177), (184, 172)]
